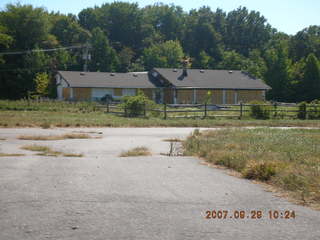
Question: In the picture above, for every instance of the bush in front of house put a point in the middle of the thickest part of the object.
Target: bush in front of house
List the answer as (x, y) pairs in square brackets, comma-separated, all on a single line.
[(314, 110), (135, 106), (259, 111), (302, 114)]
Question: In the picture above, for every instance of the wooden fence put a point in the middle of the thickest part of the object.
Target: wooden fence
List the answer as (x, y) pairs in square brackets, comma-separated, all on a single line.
[(203, 111)]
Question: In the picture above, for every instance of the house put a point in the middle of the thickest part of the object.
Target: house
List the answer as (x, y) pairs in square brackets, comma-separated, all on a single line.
[(163, 85)]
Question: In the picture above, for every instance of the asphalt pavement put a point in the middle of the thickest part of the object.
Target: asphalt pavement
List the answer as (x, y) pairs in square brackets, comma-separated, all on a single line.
[(103, 196)]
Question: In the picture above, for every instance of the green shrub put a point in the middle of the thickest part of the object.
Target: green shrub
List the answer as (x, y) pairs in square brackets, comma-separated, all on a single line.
[(302, 114), (314, 110), (258, 111), (135, 106)]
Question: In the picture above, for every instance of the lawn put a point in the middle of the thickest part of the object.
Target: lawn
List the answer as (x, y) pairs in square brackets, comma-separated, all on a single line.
[(48, 119), (48, 114), (287, 159)]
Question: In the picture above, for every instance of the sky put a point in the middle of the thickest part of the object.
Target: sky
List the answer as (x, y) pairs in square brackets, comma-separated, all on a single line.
[(289, 16)]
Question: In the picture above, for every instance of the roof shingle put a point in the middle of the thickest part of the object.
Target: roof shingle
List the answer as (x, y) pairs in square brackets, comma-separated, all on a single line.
[(217, 79), (108, 80)]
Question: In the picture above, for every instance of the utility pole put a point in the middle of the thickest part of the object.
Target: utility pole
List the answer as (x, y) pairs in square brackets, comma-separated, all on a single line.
[(86, 57)]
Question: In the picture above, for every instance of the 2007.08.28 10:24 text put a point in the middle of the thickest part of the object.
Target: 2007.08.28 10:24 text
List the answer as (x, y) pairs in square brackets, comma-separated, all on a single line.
[(252, 214)]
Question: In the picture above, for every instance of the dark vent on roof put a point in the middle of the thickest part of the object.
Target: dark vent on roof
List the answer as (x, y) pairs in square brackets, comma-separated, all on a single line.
[(82, 74), (112, 74), (184, 72), (202, 71)]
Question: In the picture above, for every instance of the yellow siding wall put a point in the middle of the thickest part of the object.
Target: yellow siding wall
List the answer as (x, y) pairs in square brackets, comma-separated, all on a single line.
[(230, 97), (168, 95), (147, 92), (82, 93), (66, 93), (201, 95), (217, 96), (250, 95), (184, 95), (117, 92)]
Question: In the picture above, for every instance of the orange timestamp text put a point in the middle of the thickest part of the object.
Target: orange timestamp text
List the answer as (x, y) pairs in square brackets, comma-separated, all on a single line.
[(251, 214)]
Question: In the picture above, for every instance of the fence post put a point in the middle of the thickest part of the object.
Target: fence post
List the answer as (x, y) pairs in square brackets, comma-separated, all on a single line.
[(205, 110), (108, 110), (275, 110), (144, 110), (125, 111), (241, 110), (165, 111)]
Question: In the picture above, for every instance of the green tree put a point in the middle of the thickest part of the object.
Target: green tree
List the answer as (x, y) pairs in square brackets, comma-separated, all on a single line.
[(122, 22), (28, 26), (202, 61), (246, 30), (256, 65), (167, 54), (5, 41), (278, 72), (89, 18), (103, 57), (232, 60), (200, 35), (68, 31), (305, 42), (42, 82), (296, 73), (125, 58), (311, 78), (167, 20)]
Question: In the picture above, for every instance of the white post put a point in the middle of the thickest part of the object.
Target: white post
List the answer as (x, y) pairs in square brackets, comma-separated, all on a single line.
[(235, 97), (174, 96), (161, 95), (224, 96), (59, 87), (71, 93), (154, 94)]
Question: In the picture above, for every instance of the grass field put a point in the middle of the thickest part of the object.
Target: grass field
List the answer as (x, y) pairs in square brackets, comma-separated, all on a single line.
[(48, 114), (288, 159), (99, 119)]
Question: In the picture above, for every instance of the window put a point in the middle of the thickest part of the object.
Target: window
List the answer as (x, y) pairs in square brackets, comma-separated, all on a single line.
[(98, 93), (129, 92)]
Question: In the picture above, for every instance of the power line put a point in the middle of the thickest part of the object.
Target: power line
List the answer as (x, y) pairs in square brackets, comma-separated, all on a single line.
[(43, 50)]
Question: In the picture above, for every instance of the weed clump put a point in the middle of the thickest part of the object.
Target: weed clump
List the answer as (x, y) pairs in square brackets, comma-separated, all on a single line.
[(135, 152), (262, 171), (47, 151)]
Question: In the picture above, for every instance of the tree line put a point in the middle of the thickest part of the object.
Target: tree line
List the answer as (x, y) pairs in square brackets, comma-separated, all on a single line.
[(123, 37)]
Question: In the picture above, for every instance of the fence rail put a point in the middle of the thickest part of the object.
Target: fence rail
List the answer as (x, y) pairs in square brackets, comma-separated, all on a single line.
[(215, 111)]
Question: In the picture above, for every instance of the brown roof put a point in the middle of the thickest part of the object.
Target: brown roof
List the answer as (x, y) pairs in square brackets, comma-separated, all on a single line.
[(108, 80), (217, 79)]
